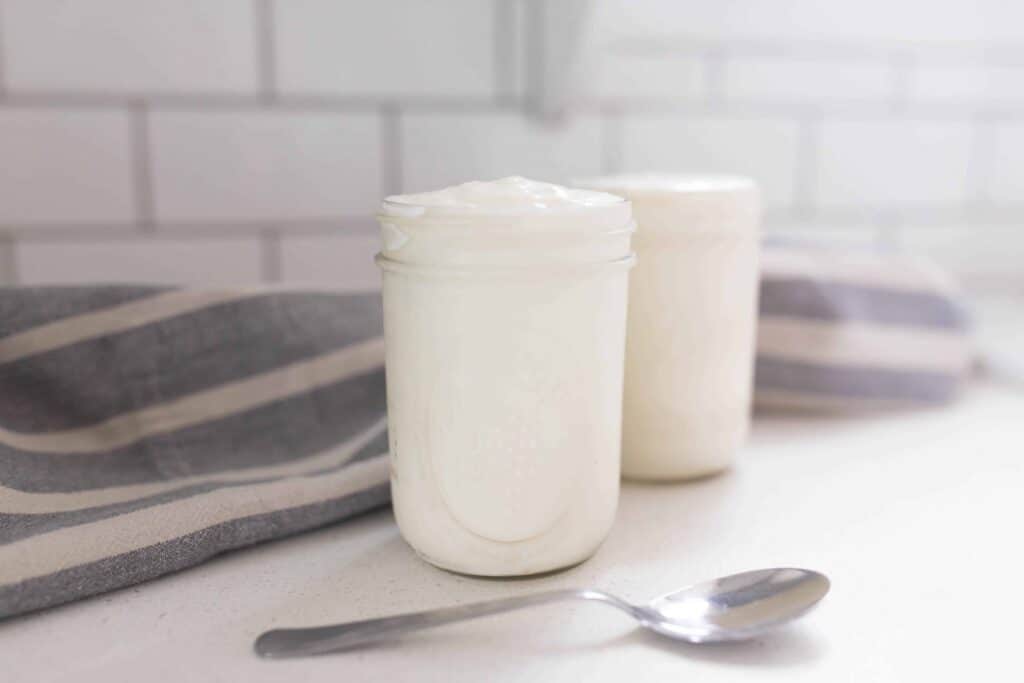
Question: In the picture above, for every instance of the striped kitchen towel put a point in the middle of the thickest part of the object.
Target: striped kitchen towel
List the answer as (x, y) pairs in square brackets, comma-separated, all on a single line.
[(857, 330), (145, 429)]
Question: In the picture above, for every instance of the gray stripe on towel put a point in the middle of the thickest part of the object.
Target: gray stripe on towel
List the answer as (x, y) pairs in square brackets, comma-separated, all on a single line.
[(22, 308), (854, 382), (163, 558), (95, 380), (839, 301), (20, 526), (270, 434)]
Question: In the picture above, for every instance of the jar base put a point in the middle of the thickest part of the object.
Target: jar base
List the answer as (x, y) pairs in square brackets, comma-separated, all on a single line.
[(675, 476), (462, 570)]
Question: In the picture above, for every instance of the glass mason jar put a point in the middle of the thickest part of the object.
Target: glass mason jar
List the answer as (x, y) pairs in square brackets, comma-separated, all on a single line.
[(692, 319), (505, 322)]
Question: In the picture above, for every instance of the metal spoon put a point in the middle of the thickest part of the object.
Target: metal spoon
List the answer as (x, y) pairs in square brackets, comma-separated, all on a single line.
[(734, 607)]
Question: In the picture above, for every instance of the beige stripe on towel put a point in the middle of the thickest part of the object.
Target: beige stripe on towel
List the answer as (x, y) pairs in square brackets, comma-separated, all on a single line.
[(76, 545), (204, 406), (79, 328), (867, 269), (13, 501), (782, 400), (862, 344)]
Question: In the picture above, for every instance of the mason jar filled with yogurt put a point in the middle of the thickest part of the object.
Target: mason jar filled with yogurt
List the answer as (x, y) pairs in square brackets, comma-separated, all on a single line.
[(505, 325), (692, 316)]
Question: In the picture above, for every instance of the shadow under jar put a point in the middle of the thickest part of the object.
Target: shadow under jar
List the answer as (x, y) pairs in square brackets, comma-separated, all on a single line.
[(505, 323)]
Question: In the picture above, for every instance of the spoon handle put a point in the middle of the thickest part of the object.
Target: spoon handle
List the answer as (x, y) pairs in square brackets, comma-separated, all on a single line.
[(297, 642)]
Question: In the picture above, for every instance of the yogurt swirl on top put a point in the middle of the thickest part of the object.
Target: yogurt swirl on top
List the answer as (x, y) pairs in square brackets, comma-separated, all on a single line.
[(507, 195)]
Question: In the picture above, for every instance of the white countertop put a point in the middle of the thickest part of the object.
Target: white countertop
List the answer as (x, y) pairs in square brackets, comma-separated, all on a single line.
[(917, 518)]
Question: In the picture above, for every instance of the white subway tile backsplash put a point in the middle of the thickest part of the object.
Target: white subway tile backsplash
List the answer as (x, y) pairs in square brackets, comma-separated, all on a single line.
[(264, 113), (157, 46), (872, 163), (132, 260), (442, 149), (821, 234), (264, 165), (764, 149), (786, 78), (907, 21), (386, 47), (969, 84), (343, 262), (1006, 172), (659, 76), (65, 166)]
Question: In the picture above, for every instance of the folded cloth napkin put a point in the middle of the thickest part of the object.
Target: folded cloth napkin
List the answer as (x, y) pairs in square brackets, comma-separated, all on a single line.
[(857, 330), (146, 429)]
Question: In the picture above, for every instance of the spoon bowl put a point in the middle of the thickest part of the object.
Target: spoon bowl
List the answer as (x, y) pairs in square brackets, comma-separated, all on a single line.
[(731, 608), (736, 607)]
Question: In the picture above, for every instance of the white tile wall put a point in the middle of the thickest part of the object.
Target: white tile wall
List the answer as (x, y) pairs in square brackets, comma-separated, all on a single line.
[(192, 262), (238, 166), (764, 149), (878, 163), (972, 83), (1006, 174), (192, 141), (806, 79), (824, 235), (386, 47), (441, 149), (65, 167), (155, 46), (623, 76), (993, 263), (907, 21), (340, 261)]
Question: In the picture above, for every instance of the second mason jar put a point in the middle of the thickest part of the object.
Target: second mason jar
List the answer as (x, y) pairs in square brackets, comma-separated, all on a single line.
[(505, 324), (692, 315)]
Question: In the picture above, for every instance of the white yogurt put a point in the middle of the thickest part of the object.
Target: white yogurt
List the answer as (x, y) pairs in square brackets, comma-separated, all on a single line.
[(692, 315), (505, 319)]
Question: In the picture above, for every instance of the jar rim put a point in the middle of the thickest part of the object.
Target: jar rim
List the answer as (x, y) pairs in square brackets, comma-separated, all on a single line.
[(653, 185), (500, 271), (554, 223)]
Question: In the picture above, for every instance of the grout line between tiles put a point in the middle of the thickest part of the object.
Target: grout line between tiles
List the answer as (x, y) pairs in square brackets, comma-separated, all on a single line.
[(714, 64), (979, 163), (142, 168), (1006, 214), (881, 109), (903, 68), (876, 110), (944, 53), (3, 60), (806, 181), (503, 45), (612, 142), (198, 101), (8, 262), (390, 150), (521, 48), (536, 57), (270, 265), (266, 48), (356, 225)]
